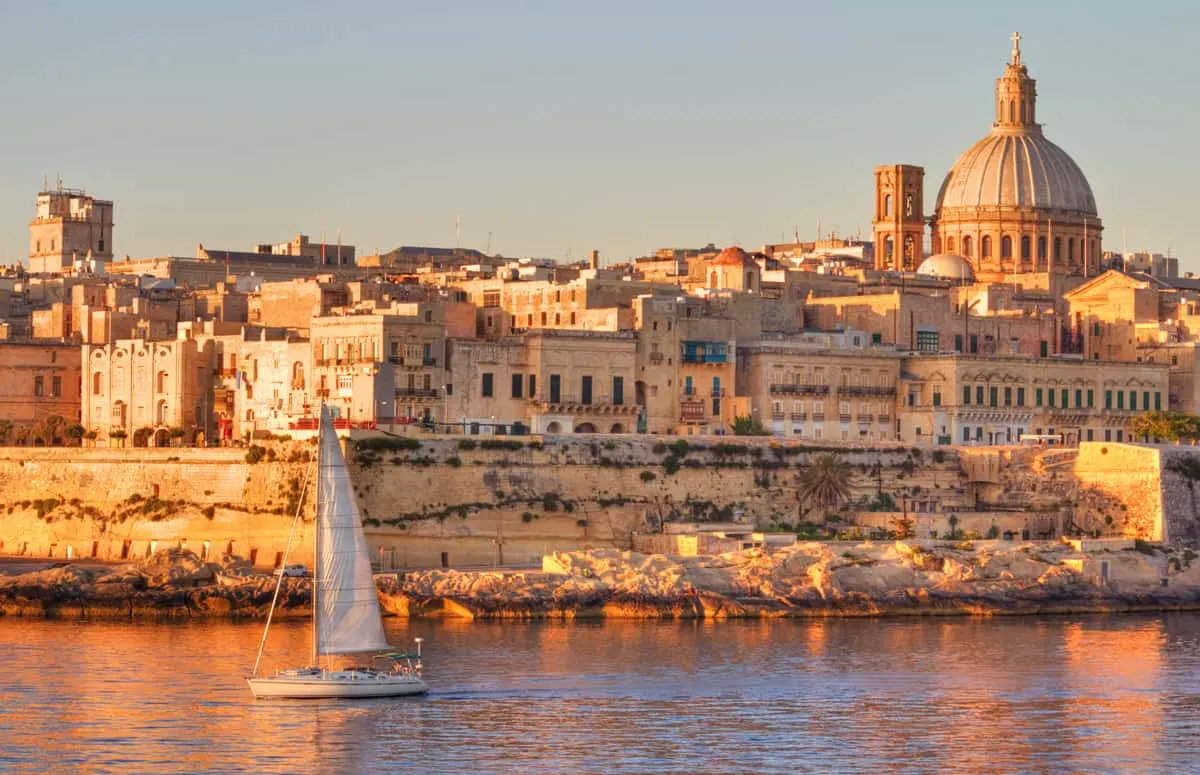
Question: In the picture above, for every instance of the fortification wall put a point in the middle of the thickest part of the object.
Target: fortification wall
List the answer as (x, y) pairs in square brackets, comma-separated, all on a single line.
[(1117, 490)]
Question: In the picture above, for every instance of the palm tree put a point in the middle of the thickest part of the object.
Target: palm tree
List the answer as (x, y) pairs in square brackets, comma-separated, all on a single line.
[(825, 483)]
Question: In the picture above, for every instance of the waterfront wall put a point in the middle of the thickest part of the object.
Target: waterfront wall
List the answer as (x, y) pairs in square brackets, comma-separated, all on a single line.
[(511, 506)]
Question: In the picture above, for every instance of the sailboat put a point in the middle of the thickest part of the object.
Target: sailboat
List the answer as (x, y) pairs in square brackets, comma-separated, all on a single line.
[(346, 619)]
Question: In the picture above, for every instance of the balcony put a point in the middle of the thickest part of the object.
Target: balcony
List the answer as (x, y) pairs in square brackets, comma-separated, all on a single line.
[(805, 389), (692, 411), (866, 418), (801, 416), (777, 415), (656, 358), (719, 393), (705, 352), (689, 391), (416, 393), (818, 417), (323, 393), (885, 418), (867, 390), (844, 417)]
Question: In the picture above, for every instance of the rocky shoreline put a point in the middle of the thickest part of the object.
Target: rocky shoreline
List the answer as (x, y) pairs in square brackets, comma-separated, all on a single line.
[(817, 579)]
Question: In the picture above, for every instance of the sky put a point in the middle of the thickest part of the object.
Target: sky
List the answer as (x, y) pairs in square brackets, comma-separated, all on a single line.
[(552, 128)]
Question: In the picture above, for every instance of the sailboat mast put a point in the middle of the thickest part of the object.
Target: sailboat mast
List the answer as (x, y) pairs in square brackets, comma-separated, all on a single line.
[(316, 577)]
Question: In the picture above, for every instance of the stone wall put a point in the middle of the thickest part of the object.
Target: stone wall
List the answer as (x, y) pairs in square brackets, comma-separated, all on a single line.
[(1118, 490)]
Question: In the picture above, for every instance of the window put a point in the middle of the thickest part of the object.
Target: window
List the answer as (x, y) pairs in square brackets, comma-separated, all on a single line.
[(345, 383), (56, 386), (966, 395), (927, 341), (985, 247), (39, 386), (1091, 398), (100, 245), (1006, 246), (979, 394), (1008, 396), (1037, 397), (1120, 435), (949, 249), (1132, 400), (974, 343), (1045, 348), (1108, 399), (532, 385), (427, 354), (966, 244), (966, 433), (618, 391), (1041, 249), (992, 396), (937, 395), (1025, 248), (1089, 434), (887, 206), (585, 390), (1095, 329), (1120, 399), (486, 388), (958, 343), (716, 387), (1146, 401), (1107, 434), (978, 433), (1020, 396), (160, 382), (555, 388), (1064, 398), (1157, 401), (1050, 397), (518, 381), (97, 384)]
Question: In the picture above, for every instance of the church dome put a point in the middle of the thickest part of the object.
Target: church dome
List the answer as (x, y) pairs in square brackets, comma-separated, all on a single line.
[(947, 266), (732, 256), (1017, 169)]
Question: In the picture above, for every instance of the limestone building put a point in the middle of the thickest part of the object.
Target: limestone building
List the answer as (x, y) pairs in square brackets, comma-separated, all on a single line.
[(1014, 203), (70, 226), (38, 380)]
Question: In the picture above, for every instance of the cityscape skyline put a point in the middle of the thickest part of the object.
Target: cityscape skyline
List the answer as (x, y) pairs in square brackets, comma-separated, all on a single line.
[(553, 133)]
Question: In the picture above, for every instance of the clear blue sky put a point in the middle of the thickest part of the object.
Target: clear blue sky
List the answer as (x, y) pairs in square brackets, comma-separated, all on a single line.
[(557, 126)]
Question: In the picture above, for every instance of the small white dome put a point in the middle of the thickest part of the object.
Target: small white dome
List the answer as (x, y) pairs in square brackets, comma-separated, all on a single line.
[(947, 266)]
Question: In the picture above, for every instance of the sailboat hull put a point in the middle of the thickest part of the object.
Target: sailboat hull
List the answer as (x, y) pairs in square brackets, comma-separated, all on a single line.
[(340, 684)]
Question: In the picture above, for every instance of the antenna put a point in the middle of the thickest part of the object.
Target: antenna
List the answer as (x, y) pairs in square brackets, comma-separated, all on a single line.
[(457, 230)]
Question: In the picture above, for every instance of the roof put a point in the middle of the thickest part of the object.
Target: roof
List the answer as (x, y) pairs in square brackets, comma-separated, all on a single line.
[(732, 256)]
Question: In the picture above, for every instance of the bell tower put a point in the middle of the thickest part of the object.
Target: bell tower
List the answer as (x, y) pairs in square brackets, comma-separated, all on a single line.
[(1016, 95), (899, 221)]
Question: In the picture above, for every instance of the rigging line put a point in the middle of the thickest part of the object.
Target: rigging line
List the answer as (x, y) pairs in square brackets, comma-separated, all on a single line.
[(279, 581)]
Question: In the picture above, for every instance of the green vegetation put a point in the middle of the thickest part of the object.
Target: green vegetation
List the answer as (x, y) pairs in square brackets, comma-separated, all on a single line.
[(386, 444), (648, 476), (255, 454), (824, 483), (745, 425), (1166, 426)]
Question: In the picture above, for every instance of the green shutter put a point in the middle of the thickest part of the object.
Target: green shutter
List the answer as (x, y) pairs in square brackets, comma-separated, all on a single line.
[(966, 394), (1037, 396)]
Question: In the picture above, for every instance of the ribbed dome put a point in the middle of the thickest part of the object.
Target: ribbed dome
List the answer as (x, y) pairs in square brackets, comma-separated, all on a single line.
[(1017, 169), (947, 266), (732, 256)]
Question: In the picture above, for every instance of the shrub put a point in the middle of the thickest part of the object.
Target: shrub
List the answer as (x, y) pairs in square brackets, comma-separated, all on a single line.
[(648, 476), (527, 517), (679, 447), (659, 448), (535, 445), (467, 444), (939, 456), (550, 502), (387, 444), (670, 465), (454, 462), (209, 511), (255, 454), (509, 444)]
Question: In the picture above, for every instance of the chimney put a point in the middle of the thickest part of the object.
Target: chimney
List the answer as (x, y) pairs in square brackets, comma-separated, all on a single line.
[(595, 264)]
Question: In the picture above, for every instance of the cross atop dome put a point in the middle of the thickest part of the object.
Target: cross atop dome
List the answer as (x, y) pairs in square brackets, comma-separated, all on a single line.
[(1016, 49)]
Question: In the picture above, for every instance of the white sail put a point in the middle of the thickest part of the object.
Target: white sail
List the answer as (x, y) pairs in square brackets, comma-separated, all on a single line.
[(347, 615)]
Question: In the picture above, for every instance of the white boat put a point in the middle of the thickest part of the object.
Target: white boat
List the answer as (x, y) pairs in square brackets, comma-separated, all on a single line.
[(346, 618)]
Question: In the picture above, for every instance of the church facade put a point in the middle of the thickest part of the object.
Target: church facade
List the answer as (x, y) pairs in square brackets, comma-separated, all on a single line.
[(1014, 203)]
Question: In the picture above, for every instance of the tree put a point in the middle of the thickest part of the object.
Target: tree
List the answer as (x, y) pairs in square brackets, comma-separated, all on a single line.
[(75, 432), (824, 483), (904, 527), (745, 425), (1166, 426)]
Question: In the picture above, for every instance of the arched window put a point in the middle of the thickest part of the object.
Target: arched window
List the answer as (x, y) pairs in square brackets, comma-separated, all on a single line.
[(908, 205), (1012, 111), (909, 250), (1006, 246), (298, 369), (1041, 254), (949, 244), (160, 415), (985, 247), (1071, 250), (97, 384), (160, 382), (1057, 249), (887, 206), (1022, 111), (749, 283), (967, 246), (889, 247), (712, 279), (1026, 247)]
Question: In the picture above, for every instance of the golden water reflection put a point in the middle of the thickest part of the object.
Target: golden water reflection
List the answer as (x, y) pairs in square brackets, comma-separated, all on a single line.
[(1048, 695)]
